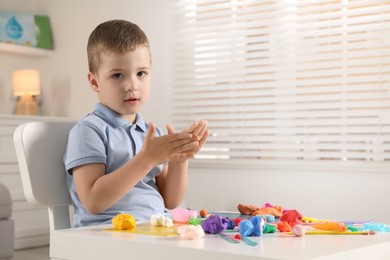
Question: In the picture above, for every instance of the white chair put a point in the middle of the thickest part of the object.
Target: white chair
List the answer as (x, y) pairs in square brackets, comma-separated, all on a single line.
[(40, 147), (7, 225)]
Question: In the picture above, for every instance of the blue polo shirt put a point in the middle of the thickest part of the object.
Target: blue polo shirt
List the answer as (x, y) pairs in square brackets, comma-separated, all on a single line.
[(104, 137)]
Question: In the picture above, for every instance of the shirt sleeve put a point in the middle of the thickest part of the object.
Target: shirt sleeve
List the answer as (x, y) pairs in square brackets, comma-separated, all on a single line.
[(86, 144), (159, 132)]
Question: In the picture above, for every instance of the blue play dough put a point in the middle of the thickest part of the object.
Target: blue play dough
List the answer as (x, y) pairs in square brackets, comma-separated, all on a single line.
[(268, 218), (256, 221), (230, 224), (245, 227), (252, 227)]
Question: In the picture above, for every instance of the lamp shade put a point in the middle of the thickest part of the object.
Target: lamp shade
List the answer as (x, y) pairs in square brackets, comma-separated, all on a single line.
[(26, 82)]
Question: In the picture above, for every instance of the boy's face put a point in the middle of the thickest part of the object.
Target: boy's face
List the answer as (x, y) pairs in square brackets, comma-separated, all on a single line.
[(122, 81)]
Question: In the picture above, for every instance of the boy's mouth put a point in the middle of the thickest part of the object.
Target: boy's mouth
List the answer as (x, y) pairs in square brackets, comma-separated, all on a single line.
[(131, 99)]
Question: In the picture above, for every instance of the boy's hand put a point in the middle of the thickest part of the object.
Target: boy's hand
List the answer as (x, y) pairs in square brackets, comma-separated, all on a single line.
[(198, 130), (175, 146)]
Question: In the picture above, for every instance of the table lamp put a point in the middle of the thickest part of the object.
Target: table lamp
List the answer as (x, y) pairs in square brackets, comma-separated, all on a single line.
[(26, 86)]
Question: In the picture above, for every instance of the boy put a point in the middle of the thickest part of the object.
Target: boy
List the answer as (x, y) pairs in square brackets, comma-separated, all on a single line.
[(116, 162)]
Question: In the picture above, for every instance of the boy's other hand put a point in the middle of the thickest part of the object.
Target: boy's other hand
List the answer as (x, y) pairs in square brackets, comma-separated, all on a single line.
[(198, 130), (175, 146)]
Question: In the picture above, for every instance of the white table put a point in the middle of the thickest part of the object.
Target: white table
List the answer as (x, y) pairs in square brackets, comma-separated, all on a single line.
[(94, 243)]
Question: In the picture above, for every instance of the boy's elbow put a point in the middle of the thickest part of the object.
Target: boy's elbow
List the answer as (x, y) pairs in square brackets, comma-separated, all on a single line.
[(171, 205), (93, 208), (93, 211)]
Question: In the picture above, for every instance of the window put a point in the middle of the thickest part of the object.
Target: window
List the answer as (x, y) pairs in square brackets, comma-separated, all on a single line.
[(285, 80)]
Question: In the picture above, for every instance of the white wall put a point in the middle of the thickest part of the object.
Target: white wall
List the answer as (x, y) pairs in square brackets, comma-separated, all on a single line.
[(337, 195), (321, 194), (64, 75)]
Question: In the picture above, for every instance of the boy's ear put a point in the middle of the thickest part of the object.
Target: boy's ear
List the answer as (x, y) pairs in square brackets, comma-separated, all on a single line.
[(93, 82)]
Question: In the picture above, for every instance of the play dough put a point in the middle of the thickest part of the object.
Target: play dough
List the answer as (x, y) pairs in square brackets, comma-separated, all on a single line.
[(123, 222)]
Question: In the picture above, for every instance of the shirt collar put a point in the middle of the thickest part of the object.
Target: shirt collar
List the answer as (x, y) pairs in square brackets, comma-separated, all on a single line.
[(114, 119)]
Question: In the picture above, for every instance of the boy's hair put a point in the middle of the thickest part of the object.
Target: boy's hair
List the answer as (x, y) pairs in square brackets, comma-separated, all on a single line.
[(113, 36)]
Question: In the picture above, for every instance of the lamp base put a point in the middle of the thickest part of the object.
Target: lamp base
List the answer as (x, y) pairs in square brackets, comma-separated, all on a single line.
[(26, 105)]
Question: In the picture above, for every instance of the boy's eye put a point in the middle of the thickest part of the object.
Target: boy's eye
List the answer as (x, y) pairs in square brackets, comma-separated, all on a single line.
[(117, 75), (141, 74)]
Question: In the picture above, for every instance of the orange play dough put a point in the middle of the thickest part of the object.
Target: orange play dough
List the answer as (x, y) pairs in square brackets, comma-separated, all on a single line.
[(203, 213), (283, 226), (246, 209), (331, 226), (270, 211)]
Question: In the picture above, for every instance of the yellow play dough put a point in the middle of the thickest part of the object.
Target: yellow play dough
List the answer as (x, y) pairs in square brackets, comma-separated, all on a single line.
[(123, 222)]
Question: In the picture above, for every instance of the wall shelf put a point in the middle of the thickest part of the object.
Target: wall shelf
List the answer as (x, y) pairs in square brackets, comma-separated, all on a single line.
[(24, 50)]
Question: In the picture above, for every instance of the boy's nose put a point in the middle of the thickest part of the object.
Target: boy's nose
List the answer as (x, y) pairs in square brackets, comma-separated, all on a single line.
[(132, 86)]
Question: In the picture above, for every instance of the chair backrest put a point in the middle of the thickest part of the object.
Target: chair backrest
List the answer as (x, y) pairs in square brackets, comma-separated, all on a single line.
[(40, 147)]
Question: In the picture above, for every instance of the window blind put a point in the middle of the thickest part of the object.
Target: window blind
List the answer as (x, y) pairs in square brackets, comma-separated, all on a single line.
[(285, 80)]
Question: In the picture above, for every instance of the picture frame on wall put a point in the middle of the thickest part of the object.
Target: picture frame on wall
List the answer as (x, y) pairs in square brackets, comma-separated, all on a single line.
[(26, 30)]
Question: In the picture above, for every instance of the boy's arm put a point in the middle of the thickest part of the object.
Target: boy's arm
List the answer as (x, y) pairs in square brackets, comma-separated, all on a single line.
[(98, 191), (172, 182)]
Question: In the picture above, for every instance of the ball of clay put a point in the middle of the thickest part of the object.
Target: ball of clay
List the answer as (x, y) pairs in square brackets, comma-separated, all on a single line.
[(203, 213), (190, 232), (299, 230)]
